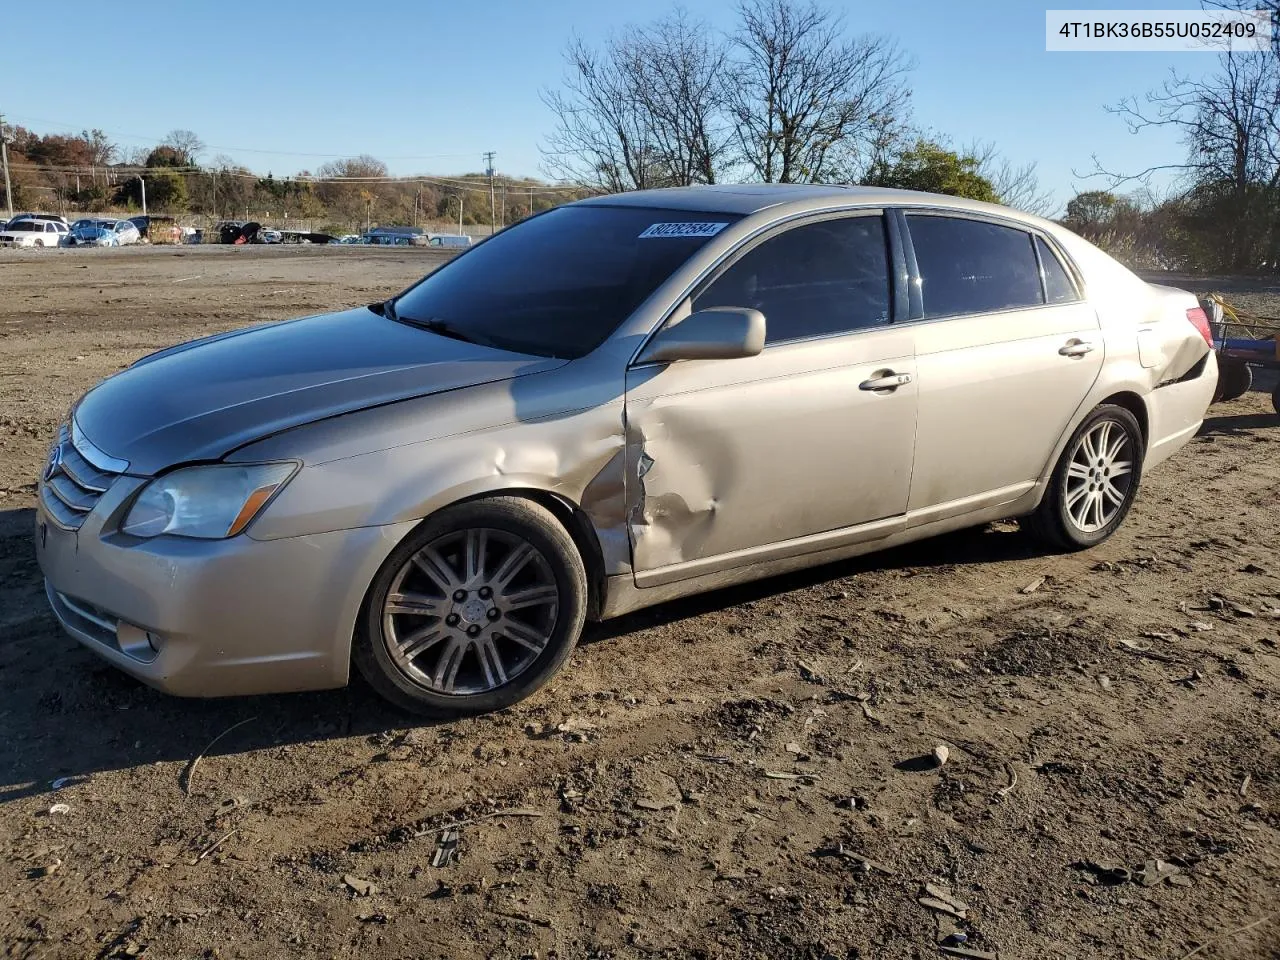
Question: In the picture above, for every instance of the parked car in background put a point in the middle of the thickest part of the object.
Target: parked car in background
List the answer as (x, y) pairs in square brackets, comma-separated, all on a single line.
[(26, 231), (270, 236), (451, 240), (56, 218), (102, 232), (609, 405)]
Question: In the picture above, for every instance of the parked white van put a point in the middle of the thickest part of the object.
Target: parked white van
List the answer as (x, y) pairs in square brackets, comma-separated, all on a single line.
[(448, 240)]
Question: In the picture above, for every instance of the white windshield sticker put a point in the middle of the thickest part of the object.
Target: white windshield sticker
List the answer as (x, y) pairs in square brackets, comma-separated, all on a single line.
[(682, 230)]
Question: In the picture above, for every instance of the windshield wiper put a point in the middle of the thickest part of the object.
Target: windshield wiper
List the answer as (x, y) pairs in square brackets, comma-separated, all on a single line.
[(443, 328)]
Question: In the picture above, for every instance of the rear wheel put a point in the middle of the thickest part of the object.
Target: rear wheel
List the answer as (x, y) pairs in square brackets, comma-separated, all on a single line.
[(476, 610), (1275, 398), (1094, 483)]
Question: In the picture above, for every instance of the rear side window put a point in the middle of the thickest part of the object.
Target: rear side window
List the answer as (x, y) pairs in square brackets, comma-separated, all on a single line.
[(813, 280), (1058, 286), (969, 266)]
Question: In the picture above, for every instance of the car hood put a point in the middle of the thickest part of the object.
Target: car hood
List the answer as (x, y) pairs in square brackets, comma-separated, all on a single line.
[(201, 400)]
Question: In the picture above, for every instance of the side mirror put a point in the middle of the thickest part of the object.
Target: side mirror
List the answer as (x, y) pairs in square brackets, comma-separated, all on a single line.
[(718, 333)]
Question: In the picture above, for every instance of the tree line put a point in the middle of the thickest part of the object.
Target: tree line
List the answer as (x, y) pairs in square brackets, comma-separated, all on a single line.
[(89, 173)]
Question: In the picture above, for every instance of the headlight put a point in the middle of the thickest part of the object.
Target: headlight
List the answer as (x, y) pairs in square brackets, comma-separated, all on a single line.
[(210, 503)]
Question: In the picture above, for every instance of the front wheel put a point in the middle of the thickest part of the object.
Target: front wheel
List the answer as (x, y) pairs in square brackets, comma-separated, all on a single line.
[(1094, 483), (475, 610)]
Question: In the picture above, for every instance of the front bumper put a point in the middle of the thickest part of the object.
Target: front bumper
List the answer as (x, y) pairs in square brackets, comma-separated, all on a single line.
[(209, 618)]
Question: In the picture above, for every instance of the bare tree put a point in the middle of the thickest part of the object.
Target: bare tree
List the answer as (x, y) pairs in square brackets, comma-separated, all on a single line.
[(601, 135), (1271, 7), (100, 149), (803, 97), (642, 111), (134, 156), (1017, 186), (187, 144), (676, 67), (1229, 122)]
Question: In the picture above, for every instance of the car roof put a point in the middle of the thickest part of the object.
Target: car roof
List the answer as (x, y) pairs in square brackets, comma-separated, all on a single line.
[(748, 198)]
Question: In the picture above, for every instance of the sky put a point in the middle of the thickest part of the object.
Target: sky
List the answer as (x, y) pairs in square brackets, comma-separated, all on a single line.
[(427, 86)]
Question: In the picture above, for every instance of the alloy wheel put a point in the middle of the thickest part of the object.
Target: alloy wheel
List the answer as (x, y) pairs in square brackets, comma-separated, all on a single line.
[(1100, 476), (470, 611)]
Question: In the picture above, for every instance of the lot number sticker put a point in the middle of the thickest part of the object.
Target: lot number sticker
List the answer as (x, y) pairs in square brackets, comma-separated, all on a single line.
[(681, 230)]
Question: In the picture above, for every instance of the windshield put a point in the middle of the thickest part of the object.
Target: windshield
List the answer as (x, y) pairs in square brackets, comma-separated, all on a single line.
[(558, 284), (25, 225)]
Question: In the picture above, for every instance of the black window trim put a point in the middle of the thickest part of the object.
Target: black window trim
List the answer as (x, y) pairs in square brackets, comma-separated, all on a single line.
[(766, 232), (916, 281)]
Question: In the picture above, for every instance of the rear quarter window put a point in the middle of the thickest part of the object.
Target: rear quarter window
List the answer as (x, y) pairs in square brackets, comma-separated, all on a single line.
[(1058, 285)]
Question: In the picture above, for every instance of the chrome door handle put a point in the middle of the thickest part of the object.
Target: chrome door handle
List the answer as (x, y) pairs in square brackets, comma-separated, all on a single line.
[(890, 381), (1075, 348)]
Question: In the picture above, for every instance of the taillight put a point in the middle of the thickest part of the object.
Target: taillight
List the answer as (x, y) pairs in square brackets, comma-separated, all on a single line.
[(1200, 320)]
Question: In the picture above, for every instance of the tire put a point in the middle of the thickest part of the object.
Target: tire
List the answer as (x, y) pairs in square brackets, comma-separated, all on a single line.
[(1057, 520), (1235, 377), (417, 652), (1275, 398)]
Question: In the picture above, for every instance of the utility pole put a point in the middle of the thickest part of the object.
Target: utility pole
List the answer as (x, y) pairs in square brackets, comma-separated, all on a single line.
[(493, 205), (459, 214), (143, 181), (531, 201), (4, 157), (504, 203)]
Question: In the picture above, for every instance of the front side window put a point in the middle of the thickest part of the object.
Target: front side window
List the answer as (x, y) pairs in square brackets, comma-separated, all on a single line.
[(560, 283), (813, 280), (970, 266)]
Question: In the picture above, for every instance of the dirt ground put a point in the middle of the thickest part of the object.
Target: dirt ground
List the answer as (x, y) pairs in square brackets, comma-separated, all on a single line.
[(738, 775)]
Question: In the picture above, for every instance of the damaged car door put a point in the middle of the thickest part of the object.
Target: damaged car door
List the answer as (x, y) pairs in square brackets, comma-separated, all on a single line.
[(804, 446)]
